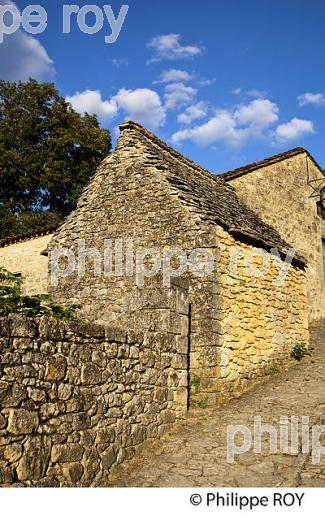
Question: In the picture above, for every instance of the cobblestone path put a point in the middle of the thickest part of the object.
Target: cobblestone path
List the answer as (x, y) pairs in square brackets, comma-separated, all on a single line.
[(194, 454)]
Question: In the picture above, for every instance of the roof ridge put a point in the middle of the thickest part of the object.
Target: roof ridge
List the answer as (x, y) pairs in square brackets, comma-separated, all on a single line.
[(21, 237), (242, 170), (169, 149), (225, 176)]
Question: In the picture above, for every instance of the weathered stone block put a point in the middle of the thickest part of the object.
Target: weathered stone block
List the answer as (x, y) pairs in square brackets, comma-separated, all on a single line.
[(35, 460), (22, 422), (6, 475), (56, 368), (179, 362), (4, 329), (67, 453), (64, 391), (105, 435), (115, 335), (73, 472), (39, 396), (13, 452), (81, 421), (108, 458), (182, 344), (22, 327), (51, 329), (91, 374)]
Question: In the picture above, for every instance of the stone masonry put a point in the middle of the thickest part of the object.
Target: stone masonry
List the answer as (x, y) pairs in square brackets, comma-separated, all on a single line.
[(78, 399), (259, 332)]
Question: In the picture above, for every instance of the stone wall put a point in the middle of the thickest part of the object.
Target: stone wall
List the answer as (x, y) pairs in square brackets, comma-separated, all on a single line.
[(281, 195), (78, 399), (25, 257), (262, 320)]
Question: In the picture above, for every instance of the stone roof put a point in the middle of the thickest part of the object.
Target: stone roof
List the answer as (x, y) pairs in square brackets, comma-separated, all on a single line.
[(213, 199), (28, 236), (238, 172)]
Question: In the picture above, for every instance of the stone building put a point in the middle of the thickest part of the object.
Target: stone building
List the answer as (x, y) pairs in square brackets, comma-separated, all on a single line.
[(285, 191), (147, 195), (192, 287)]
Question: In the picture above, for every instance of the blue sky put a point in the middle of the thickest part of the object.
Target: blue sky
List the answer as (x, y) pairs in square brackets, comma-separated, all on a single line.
[(226, 82)]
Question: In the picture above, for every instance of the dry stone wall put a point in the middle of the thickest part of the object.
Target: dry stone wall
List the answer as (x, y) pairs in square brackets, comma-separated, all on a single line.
[(262, 320), (78, 399)]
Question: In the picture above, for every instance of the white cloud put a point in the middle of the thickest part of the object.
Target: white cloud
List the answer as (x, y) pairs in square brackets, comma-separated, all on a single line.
[(120, 62), (233, 126), (172, 75), (22, 56), (192, 113), (206, 82), (259, 113), (311, 99), (91, 101), (294, 129), (221, 127), (255, 93), (142, 105), (168, 47), (178, 94)]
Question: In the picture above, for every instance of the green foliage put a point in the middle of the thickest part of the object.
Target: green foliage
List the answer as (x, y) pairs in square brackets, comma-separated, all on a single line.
[(272, 371), (13, 301), (300, 350), (26, 222), (196, 382), (48, 152), (203, 403), (195, 402)]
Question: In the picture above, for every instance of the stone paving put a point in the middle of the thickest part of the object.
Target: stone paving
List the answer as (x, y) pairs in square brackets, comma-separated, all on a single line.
[(194, 453)]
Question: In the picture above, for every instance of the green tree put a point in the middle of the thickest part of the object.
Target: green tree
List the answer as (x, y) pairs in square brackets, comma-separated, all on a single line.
[(48, 153)]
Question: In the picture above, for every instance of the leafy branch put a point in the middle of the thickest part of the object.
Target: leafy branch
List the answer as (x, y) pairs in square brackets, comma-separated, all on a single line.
[(13, 301)]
